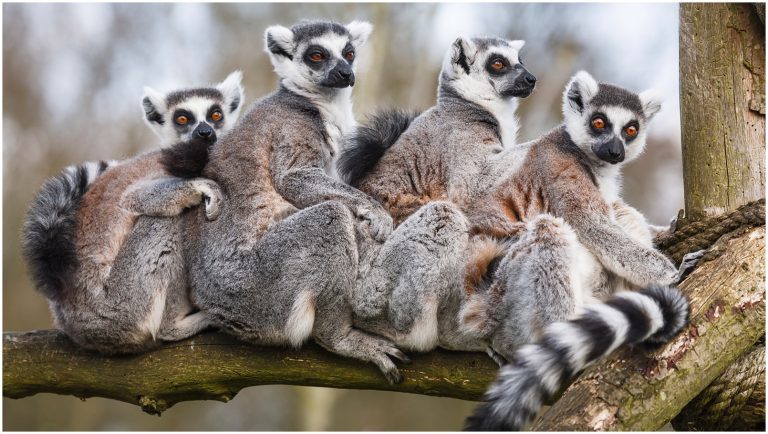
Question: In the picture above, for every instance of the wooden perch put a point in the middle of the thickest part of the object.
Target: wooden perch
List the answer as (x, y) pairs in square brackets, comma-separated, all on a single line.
[(215, 366), (636, 390)]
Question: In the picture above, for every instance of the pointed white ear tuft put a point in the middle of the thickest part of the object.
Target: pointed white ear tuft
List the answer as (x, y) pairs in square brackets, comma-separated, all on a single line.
[(517, 44), (579, 91), (232, 89), (359, 31), (462, 54), (278, 42), (154, 106), (651, 101)]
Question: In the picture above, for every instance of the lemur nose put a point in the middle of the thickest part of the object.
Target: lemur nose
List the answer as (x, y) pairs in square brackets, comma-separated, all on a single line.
[(530, 79), (204, 133), (345, 73)]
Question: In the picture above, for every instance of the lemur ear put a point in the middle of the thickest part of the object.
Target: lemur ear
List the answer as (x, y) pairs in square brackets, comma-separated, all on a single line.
[(154, 106), (579, 91), (278, 42), (232, 89), (651, 101), (359, 32), (463, 52), (517, 45)]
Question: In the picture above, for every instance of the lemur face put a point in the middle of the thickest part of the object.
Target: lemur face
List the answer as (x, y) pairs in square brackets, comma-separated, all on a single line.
[(198, 112), (487, 69), (316, 56), (607, 122)]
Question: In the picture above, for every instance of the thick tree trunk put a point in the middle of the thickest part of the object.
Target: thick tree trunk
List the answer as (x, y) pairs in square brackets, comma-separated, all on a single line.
[(722, 100)]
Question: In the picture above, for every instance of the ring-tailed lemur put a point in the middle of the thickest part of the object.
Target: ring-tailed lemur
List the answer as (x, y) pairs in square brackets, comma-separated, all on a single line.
[(278, 265), (548, 274), (83, 238), (480, 82)]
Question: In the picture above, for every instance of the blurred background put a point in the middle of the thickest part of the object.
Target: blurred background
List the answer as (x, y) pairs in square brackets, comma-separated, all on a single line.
[(72, 83)]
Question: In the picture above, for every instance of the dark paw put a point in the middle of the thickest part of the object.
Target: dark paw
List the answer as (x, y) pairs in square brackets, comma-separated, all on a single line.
[(688, 264), (393, 376)]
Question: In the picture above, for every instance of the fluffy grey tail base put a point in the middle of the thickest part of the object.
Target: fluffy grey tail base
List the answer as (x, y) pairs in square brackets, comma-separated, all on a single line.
[(49, 228), (187, 159), (652, 315), (365, 147)]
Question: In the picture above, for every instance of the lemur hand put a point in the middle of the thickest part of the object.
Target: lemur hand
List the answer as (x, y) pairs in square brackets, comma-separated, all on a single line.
[(213, 198), (666, 271), (379, 221)]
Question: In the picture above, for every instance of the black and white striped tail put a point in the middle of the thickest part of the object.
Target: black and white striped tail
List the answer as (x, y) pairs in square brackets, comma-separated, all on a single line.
[(49, 227), (653, 315)]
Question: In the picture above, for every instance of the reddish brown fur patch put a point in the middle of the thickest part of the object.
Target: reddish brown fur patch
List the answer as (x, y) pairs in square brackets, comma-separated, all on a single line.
[(482, 250), (102, 224)]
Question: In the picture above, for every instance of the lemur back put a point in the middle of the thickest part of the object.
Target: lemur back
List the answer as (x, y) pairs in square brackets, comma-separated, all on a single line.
[(88, 226)]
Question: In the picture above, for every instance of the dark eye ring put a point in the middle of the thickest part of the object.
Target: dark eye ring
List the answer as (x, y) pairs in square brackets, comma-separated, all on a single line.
[(497, 64), (349, 55)]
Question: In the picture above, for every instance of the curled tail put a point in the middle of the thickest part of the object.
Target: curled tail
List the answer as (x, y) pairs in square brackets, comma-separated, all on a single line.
[(49, 227), (365, 147), (652, 315)]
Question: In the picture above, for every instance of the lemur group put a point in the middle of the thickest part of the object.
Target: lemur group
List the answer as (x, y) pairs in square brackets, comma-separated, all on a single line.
[(408, 232)]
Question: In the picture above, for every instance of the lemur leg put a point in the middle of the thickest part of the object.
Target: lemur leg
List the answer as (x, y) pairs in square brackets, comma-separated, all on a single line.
[(294, 283), (181, 319), (126, 316), (167, 197), (548, 276), (410, 273)]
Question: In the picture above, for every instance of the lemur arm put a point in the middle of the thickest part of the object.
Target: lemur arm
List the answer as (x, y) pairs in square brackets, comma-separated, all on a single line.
[(581, 205), (167, 197), (633, 223), (490, 220), (300, 175)]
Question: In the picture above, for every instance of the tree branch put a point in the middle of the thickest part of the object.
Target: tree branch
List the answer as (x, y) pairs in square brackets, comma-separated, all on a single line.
[(215, 366)]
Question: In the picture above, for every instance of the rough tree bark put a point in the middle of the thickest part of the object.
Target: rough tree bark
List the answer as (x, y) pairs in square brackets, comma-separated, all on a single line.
[(722, 101)]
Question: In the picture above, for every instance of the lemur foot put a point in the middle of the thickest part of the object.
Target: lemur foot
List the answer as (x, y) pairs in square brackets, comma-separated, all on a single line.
[(379, 221), (688, 264), (498, 358)]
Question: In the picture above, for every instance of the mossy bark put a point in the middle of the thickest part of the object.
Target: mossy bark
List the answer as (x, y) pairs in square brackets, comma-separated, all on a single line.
[(214, 366)]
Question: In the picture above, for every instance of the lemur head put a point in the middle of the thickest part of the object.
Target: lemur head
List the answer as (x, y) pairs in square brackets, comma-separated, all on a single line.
[(202, 112), (486, 69), (316, 56), (607, 122)]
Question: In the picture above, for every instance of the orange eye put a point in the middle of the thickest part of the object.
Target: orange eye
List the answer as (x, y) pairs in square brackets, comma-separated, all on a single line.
[(182, 120), (316, 57), (498, 65), (631, 131), (598, 123), (350, 56), (216, 116)]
